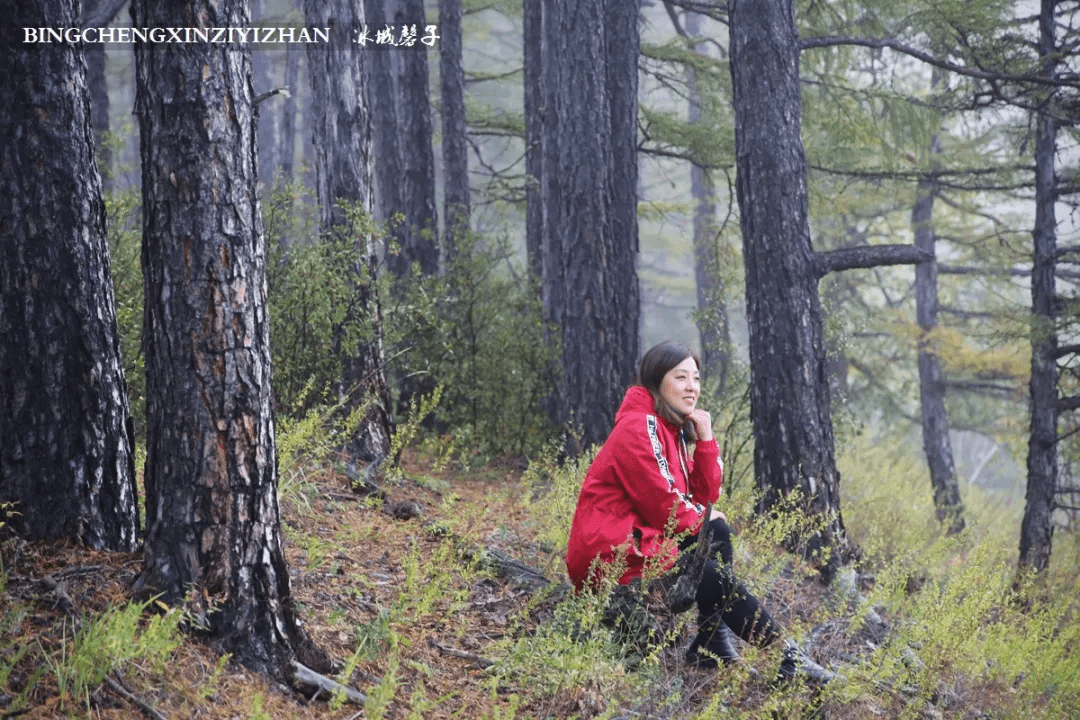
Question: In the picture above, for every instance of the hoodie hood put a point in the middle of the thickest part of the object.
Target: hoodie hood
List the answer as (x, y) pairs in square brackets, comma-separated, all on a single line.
[(636, 400)]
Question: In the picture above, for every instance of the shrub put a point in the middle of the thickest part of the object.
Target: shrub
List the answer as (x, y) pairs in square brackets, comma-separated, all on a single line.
[(477, 331), (124, 231)]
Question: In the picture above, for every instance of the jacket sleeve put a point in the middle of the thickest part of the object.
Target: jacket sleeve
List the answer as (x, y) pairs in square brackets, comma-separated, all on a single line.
[(707, 473), (648, 478)]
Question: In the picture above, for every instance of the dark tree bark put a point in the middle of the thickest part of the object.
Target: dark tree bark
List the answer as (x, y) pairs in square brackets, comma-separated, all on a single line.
[(99, 107), (97, 14), (712, 318), (402, 129), (589, 252), (866, 256), (342, 141), (211, 479), (935, 421), (454, 141), (287, 137), (262, 64), (789, 396), (66, 440), (384, 124), (1037, 527), (417, 160), (537, 107)]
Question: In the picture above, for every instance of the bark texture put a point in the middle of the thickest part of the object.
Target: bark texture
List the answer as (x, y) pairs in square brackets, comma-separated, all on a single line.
[(455, 145), (211, 481), (99, 13), (265, 80), (589, 207), (789, 394), (402, 130), (1037, 527), (342, 142), (712, 319), (935, 420), (66, 441), (536, 112), (287, 136)]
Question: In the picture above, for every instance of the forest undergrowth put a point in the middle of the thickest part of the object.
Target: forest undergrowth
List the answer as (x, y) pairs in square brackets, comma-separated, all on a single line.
[(445, 597)]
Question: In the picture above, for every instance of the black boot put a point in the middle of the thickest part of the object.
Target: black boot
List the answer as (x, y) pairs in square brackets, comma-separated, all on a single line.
[(797, 662), (717, 642)]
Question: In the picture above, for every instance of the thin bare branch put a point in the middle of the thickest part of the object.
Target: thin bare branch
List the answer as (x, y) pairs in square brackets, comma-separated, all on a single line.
[(892, 44)]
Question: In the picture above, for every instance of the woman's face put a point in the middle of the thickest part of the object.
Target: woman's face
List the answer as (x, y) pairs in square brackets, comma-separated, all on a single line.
[(681, 386)]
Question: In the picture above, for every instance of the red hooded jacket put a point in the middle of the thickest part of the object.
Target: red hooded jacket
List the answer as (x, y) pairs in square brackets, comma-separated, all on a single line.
[(626, 501)]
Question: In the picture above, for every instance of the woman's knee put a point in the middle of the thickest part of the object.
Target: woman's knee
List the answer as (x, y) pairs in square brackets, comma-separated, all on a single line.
[(721, 539)]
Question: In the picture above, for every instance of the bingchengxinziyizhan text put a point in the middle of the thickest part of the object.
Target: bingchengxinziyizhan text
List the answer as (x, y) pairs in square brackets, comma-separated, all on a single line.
[(387, 35)]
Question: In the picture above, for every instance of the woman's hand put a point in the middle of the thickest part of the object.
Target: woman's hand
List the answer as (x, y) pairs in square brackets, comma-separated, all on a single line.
[(702, 423)]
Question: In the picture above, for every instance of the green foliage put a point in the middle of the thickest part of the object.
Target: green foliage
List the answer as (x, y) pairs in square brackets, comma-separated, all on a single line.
[(124, 231), (959, 619), (13, 653), (551, 493), (420, 408), (477, 332), (117, 640), (312, 285), (306, 444), (572, 654), (380, 697)]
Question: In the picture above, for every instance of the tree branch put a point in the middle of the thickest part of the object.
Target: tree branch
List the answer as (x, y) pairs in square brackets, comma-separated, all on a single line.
[(1065, 350), (483, 662), (304, 677), (1071, 402), (1068, 250), (986, 388), (967, 314), (939, 176), (868, 256), (890, 43), (972, 270), (120, 689), (715, 10)]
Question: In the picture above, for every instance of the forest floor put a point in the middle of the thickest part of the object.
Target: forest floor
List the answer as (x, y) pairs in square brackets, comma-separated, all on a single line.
[(385, 584)]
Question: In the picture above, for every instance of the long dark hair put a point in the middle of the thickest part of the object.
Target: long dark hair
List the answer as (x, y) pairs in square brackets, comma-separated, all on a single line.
[(655, 364)]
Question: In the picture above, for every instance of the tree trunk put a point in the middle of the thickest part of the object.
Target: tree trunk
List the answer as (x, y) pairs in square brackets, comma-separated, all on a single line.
[(262, 63), (454, 140), (401, 120), (590, 246), (712, 319), (67, 449), (342, 141), (384, 123), (287, 136), (789, 396), (935, 421), (1037, 527), (535, 15), (417, 159), (99, 107), (211, 481), (99, 14)]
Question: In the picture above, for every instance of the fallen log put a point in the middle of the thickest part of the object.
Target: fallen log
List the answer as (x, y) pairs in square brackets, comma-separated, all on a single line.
[(310, 682)]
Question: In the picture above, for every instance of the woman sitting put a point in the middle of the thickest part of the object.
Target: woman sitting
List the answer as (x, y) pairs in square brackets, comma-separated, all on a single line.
[(644, 488)]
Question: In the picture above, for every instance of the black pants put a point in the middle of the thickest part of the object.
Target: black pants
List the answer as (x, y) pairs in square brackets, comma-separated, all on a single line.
[(722, 598)]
